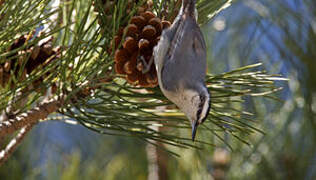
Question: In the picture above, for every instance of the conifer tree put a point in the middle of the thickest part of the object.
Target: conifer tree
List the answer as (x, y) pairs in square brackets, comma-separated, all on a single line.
[(74, 60)]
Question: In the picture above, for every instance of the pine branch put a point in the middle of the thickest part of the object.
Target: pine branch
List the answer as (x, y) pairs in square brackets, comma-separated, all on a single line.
[(114, 106), (208, 9), (32, 116), (10, 148)]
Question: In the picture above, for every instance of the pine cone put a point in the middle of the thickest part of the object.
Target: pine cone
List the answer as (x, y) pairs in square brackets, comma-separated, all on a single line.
[(6, 67), (141, 36), (31, 58)]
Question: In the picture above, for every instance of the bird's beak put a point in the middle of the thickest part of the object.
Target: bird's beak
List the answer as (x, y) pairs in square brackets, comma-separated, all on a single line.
[(194, 128)]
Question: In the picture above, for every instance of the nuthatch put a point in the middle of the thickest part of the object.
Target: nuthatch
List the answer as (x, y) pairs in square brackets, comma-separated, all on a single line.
[(180, 60)]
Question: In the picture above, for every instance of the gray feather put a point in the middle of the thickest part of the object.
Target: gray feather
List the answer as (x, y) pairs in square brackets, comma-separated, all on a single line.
[(185, 62)]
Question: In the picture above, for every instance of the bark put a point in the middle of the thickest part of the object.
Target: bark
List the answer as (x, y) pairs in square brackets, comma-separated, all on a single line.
[(30, 117), (5, 153)]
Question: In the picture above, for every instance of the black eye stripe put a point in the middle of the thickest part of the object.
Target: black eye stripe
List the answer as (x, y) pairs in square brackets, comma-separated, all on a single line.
[(202, 98), (200, 108), (198, 114)]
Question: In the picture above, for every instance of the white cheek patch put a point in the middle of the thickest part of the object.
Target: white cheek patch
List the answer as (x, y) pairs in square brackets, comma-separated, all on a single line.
[(193, 95)]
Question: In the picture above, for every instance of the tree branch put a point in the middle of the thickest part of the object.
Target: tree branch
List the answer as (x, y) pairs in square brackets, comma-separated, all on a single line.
[(10, 148), (30, 117)]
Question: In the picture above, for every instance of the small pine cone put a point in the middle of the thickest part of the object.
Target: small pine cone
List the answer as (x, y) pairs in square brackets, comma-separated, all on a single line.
[(141, 36), (41, 55), (10, 64), (31, 58)]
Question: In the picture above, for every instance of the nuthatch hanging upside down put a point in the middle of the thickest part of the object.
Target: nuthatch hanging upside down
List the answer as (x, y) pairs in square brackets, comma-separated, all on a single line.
[(180, 59)]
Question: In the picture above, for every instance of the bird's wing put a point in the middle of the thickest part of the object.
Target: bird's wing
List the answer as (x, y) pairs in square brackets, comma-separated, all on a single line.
[(186, 59)]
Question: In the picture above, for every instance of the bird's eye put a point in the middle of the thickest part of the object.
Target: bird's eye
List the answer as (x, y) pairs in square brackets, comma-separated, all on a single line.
[(202, 99)]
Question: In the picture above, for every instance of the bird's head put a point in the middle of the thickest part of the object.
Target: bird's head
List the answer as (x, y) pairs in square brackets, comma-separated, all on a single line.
[(195, 104)]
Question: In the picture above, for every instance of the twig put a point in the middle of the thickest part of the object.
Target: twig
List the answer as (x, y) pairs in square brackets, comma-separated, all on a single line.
[(10, 148), (30, 117)]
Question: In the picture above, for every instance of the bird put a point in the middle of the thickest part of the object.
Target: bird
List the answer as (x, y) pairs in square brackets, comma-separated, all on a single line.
[(180, 61)]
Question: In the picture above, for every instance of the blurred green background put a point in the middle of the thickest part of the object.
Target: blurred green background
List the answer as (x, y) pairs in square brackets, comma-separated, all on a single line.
[(281, 35)]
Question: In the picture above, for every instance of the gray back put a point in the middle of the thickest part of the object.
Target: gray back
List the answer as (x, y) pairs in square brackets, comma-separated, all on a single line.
[(185, 63)]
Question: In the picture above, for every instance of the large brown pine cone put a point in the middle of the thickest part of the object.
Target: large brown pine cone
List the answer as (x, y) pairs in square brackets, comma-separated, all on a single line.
[(138, 37), (141, 35)]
